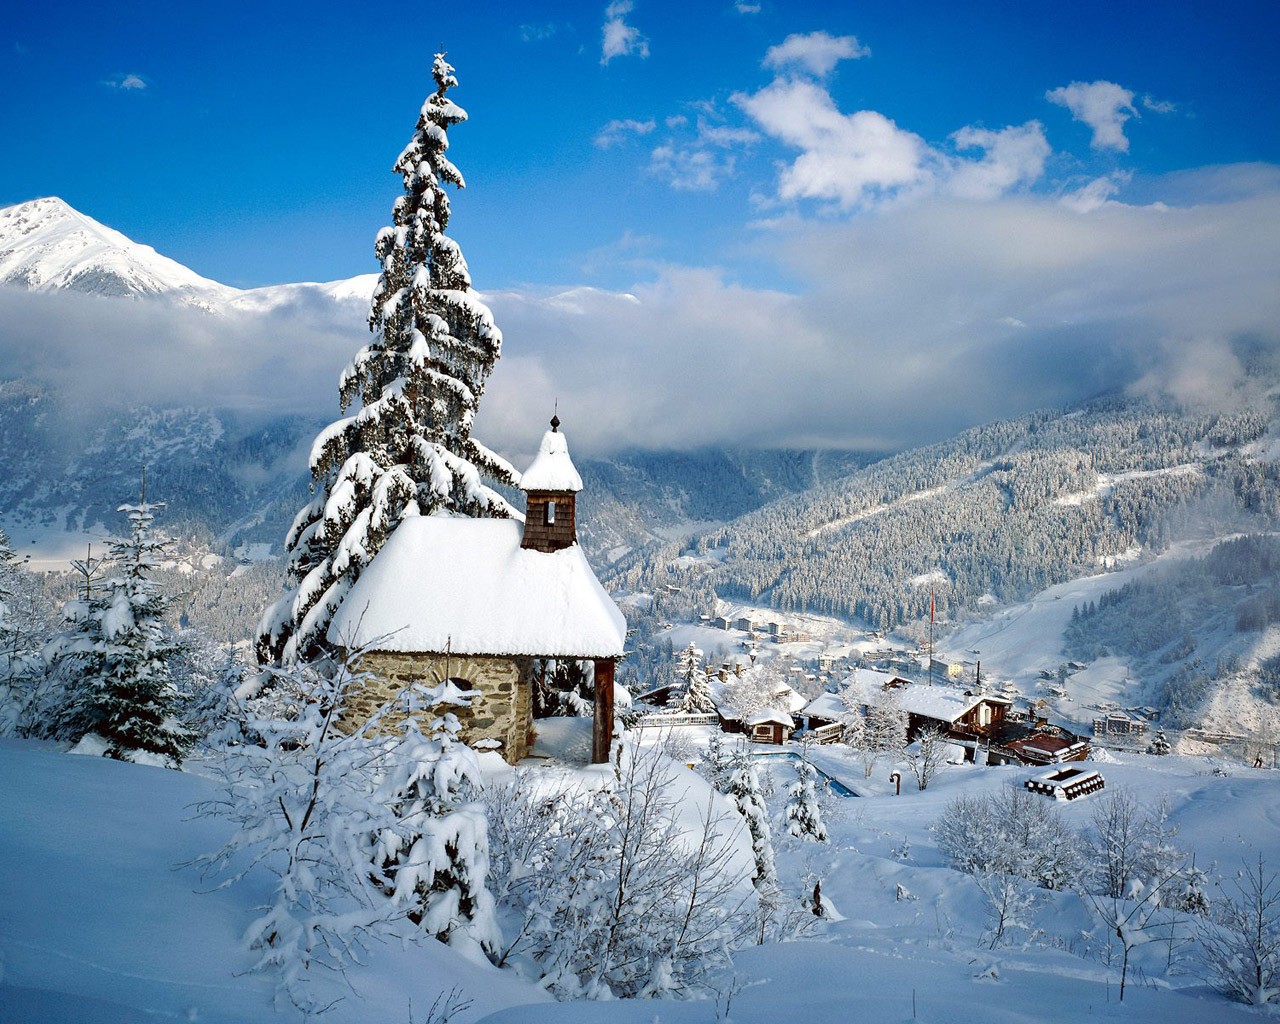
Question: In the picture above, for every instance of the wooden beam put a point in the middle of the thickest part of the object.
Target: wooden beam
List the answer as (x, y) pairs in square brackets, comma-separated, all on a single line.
[(602, 730)]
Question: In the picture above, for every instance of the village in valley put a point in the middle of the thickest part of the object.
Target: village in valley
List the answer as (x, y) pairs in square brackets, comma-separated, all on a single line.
[(974, 726)]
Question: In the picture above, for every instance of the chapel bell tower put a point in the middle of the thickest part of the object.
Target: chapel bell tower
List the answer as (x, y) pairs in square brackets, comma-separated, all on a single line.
[(551, 485)]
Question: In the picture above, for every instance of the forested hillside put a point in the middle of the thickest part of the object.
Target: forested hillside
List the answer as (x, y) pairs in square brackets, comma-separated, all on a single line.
[(999, 512)]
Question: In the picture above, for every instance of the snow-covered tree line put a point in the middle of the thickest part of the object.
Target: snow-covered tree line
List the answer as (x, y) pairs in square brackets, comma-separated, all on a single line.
[(1004, 509), (111, 670)]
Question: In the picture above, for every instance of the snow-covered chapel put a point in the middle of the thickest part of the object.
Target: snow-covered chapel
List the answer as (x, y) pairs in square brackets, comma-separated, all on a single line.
[(481, 602)]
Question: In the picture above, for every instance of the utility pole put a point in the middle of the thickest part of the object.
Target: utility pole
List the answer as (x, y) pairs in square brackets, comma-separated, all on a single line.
[(931, 603)]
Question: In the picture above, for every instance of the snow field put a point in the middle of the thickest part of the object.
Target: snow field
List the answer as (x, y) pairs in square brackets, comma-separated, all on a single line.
[(100, 923)]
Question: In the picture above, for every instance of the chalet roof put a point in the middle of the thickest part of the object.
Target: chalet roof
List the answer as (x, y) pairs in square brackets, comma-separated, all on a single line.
[(939, 703), (770, 715), (466, 586), (826, 705), (552, 469)]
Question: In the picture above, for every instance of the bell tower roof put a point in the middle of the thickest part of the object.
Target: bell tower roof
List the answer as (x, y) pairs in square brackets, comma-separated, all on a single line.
[(552, 469)]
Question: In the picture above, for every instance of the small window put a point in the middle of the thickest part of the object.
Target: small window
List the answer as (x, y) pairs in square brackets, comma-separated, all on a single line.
[(551, 512)]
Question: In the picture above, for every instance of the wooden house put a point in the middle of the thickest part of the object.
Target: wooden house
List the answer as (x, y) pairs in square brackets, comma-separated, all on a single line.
[(487, 603)]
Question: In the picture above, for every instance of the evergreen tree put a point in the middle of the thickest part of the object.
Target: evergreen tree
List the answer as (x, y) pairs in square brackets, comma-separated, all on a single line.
[(115, 656), (435, 861), (409, 450), (718, 764), (697, 699), (743, 789), (26, 622), (1159, 743), (804, 816)]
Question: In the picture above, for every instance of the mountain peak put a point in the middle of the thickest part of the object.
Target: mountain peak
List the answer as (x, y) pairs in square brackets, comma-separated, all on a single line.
[(48, 245)]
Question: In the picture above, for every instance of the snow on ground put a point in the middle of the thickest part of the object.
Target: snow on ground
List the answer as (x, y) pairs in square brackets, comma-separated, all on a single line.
[(100, 923), (1025, 639), (923, 957), (1107, 482)]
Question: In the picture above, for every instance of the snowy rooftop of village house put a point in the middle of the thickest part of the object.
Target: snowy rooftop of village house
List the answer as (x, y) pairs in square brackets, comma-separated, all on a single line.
[(466, 586), (784, 696), (826, 705), (552, 469), (940, 703)]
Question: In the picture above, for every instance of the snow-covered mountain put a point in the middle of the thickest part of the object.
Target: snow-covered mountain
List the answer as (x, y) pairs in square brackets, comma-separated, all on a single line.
[(45, 245)]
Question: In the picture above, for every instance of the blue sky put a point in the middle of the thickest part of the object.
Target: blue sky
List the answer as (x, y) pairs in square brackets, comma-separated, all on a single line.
[(255, 147), (942, 212)]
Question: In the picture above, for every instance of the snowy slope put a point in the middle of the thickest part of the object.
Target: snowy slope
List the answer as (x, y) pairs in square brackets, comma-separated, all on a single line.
[(45, 245), (100, 922)]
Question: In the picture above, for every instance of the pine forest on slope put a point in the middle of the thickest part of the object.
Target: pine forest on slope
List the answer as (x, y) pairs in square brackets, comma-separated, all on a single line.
[(997, 513)]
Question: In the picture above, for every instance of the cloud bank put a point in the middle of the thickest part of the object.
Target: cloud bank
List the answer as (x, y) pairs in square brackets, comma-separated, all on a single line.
[(909, 323)]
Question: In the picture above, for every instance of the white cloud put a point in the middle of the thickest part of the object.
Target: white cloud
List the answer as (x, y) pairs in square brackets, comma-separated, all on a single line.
[(537, 33), (126, 83), (847, 158), (1103, 106), (818, 52), (701, 163), (690, 169), (1156, 106), (900, 328), (618, 131), (1097, 193), (619, 38), (742, 7), (1013, 157), (903, 327)]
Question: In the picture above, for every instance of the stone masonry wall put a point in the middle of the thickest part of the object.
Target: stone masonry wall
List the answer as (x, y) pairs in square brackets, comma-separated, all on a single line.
[(500, 710)]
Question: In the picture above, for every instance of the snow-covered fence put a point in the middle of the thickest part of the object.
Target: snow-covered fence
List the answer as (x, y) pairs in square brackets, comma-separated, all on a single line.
[(666, 721)]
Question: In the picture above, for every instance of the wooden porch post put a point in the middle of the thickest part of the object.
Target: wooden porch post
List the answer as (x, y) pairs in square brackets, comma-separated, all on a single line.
[(602, 731)]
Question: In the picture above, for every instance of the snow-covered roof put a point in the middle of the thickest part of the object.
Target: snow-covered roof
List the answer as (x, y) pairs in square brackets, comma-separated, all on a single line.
[(940, 703), (766, 715), (552, 469), (466, 586), (826, 705)]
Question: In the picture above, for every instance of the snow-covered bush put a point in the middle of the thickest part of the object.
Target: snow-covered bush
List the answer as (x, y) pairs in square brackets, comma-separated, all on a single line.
[(305, 809), (1009, 832), (604, 894), (1240, 947)]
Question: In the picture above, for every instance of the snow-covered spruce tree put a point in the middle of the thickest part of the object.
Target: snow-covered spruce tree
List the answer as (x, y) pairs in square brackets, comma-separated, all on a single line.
[(1159, 744), (804, 816), (409, 449), (115, 655), (743, 788), (26, 623), (717, 766), (697, 698), (434, 861), (612, 895)]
